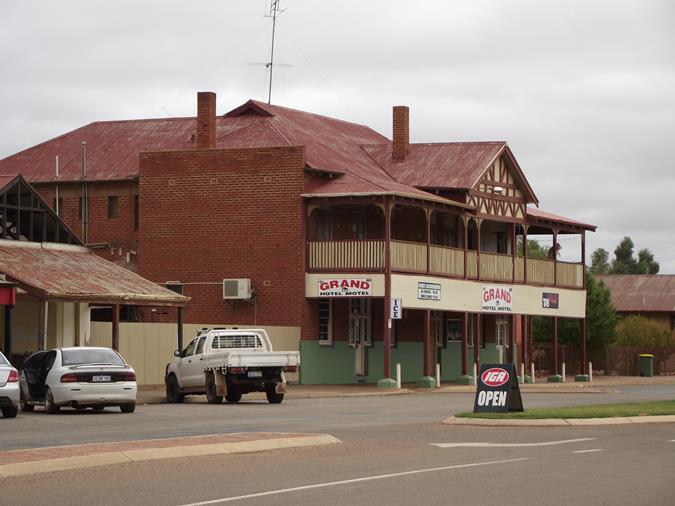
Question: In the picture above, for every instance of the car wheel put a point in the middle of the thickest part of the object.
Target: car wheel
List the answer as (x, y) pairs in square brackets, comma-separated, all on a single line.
[(272, 396), (98, 407), (128, 408), (10, 411), (173, 394), (233, 395), (26, 407), (50, 406), (211, 396)]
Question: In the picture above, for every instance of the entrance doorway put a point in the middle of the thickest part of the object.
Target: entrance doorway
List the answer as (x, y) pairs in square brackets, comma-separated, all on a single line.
[(359, 333)]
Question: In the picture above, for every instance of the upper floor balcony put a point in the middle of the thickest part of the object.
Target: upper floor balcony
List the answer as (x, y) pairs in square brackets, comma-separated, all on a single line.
[(425, 241)]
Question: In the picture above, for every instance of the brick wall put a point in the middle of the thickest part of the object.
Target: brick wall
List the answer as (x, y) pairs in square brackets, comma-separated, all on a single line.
[(119, 231), (209, 214)]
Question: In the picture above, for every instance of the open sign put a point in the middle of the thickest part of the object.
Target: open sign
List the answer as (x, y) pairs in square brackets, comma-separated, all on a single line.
[(498, 390)]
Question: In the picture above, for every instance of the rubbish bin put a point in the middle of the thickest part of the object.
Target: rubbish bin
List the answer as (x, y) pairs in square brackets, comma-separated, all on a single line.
[(646, 362)]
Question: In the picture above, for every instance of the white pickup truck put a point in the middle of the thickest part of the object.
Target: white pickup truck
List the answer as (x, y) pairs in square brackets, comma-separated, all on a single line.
[(228, 363)]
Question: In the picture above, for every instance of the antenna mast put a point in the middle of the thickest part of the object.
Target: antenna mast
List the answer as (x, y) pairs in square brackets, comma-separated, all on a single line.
[(275, 12)]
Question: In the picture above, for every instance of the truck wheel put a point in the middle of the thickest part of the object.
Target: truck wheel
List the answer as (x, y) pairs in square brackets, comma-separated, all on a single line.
[(173, 394), (211, 396), (272, 396), (233, 396)]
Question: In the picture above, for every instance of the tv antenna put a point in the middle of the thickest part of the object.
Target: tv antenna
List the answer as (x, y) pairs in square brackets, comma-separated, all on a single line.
[(275, 12)]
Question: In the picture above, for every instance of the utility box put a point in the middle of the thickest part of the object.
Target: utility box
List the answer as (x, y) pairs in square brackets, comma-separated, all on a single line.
[(646, 365)]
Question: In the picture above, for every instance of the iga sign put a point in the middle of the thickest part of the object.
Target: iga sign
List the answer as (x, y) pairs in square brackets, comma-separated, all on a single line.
[(498, 390), (496, 299), (345, 287)]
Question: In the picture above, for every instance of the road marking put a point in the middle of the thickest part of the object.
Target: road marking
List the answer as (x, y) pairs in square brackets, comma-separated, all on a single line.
[(589, 451), (354, 480), (510, 445)]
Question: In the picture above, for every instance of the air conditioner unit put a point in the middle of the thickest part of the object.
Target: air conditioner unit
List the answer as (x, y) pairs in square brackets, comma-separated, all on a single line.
[(237, 288)]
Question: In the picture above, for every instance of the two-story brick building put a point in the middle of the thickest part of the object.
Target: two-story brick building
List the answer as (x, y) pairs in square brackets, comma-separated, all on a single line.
[(332, 222)]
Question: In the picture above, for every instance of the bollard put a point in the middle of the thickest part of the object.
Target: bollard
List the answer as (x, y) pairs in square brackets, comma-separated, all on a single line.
[(438, 375), (522, 373), (532, 369), (590, 371), (475, 375), (563, 372), (398, 375)]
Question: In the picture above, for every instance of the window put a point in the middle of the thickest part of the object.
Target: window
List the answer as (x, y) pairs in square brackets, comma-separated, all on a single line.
[(90, 356), (137, 211), (189, 351), (437, 328), (200, 345), (323, 225), (359, 322), (502, 332), (113, 211), (325, 323), (454, 330), (236, 341)]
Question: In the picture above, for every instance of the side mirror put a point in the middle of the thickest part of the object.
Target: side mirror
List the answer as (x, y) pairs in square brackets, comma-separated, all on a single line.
[(176, 353)]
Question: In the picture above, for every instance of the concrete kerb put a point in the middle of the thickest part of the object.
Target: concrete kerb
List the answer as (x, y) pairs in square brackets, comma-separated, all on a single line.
[(559, 422), (47, 465)]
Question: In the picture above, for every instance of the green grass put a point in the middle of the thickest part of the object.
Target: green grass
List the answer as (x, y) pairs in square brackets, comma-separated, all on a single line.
[(591, 411)]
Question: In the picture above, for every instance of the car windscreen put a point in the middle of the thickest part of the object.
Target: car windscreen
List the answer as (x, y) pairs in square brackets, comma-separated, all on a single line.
[(90, 356), (3, 360)]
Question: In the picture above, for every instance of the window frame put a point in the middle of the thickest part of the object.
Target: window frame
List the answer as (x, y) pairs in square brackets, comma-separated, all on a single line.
[(328, 323)]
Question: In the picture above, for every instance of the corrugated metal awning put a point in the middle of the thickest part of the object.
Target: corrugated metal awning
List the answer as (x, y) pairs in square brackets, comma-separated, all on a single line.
[(74, 273)]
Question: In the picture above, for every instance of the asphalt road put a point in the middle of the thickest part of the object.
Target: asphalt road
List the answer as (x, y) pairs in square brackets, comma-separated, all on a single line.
[(388, 456)]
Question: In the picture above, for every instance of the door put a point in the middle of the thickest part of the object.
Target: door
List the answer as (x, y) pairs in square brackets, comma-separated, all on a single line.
[(502, 338), (359, 333), (188, 363)]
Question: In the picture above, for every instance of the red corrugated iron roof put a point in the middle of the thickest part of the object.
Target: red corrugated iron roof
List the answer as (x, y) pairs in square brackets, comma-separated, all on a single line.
[(641, 293), (65, 272), (539, 216), (6, 179)]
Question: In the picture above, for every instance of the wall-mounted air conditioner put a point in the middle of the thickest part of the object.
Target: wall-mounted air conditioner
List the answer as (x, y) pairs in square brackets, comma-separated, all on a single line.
[(237, 288)]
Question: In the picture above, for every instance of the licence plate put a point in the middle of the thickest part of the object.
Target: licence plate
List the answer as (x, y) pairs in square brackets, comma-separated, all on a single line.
[(100, 379), (255, 374)]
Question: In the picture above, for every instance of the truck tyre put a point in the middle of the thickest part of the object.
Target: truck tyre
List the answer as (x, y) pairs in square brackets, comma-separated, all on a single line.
[(211, 396), (233, 396), (272, 396), (173, 394)]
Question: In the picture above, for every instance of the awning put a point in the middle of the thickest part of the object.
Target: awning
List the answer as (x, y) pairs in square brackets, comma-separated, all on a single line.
[(74, 273)]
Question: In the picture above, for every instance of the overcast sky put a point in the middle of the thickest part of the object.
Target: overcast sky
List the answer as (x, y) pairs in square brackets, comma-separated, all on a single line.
[(583, 91)]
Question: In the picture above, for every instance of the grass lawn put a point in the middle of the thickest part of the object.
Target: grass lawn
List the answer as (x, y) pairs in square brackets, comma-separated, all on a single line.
[(591, 411)]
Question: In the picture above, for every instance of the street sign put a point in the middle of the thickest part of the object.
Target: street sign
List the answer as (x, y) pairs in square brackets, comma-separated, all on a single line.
[(428, 291), (396, 309), (498, 390)]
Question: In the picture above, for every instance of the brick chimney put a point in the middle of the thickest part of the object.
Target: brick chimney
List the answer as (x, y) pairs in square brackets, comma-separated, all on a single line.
[(206, 119), (400, 135)]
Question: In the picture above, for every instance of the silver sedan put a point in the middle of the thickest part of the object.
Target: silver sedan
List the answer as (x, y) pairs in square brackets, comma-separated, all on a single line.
[(9, 388), (79, 377)]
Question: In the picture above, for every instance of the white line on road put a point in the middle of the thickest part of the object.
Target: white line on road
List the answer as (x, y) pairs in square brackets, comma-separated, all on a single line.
[(509, 445), (354, 480), (589, 451)]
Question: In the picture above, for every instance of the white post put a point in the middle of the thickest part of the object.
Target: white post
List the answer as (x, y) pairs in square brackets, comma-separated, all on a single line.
[(438, 375), (398, 375), (475, 375), (590, 371), (532, 371), (563, 372), (522, 373)]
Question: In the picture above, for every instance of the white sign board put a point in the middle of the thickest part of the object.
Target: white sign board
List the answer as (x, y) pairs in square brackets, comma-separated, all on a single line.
[(345, 287), (428, 291), (497, 299), (396, 309)]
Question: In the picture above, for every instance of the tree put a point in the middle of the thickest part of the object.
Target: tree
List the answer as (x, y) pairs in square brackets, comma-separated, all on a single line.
[(534, 249), (600, 321), (624, 262), (600, 261)]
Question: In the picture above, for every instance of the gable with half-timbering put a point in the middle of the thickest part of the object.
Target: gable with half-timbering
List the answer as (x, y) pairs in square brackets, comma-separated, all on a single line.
[(498, 192)]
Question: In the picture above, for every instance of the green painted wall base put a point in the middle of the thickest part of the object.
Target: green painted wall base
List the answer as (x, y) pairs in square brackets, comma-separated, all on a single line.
[(387, 383), (426, 382), (582, 377), (554, 378), (464, 380)]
